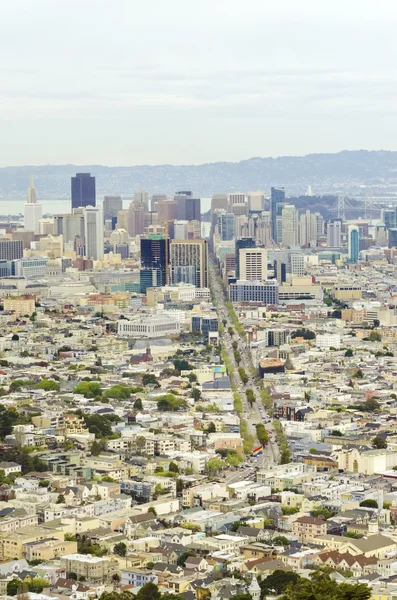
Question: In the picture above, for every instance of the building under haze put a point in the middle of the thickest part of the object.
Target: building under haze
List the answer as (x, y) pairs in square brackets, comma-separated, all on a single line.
[(83, 190), (353, 243), (93, 232), (289, 225), (253, 264), (32, 211), (111, 206), (256, 201), (334, 234), (11, 249), (277, 200), (246, 242)]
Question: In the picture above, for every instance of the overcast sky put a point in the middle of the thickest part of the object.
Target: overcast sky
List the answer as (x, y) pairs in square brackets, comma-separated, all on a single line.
[(122, 82)]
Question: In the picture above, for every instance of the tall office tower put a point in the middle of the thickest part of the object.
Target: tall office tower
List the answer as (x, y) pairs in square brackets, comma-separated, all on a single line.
[(247, 242), (388, 216), (142, 198), (155, 256), (277, 200), (111, 206), (289, 226), (11, 249), (238, 204), (189, 208), (253, 264), (260, 228), (190, 253), (167, 213), (353, 243), (256, 201), (83, 190), (225, 222), (280, 271), (33, 211), (392, 235), (70, 227), (181, 230), (136, 218), (219, 202), (334, 234), (150, 219), (93, 232), (320, 225), (155, 199), (308, 229), (27, 237), (297, 264), (122, 219)]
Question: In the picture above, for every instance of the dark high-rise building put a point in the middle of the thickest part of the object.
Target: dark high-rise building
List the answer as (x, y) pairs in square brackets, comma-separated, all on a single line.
[(155, 255), (277, 200), (83, 190), (392, 237), (11, 249), (188, 208), (247, 242)]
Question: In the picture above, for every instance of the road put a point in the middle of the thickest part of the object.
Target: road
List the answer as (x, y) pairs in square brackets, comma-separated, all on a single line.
[(257, 413)]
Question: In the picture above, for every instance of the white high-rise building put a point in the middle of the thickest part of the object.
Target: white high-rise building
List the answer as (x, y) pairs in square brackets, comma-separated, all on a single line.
[(93, 232), (256, 201), (334, 234), (237, 204), (33, 211), (181, 230), (308, 229), (253, 264), (289, 225), (142, 198)]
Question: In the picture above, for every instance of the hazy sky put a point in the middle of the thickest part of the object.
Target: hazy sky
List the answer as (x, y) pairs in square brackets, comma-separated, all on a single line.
[(190, 81)]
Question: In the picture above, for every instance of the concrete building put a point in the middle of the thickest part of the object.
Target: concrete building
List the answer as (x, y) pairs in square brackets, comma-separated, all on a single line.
[(254, 291), (93, 232), (256, 201), (111, 206), (190, 253), (11, 249), (150, 327), (253, 264), (334, 234), (328, 340), (289, 225), (32, 211), (93, 568)]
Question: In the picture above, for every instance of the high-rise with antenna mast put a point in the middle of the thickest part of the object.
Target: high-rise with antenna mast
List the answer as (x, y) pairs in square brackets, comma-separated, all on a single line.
[(33, 211)]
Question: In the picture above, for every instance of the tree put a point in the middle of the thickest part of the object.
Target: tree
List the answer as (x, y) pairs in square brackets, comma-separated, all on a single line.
[(371, 405), (89, 389), (322, 512), (354, 535), (183, 556), (8, 418), (173, 467), (280, 540), (138, 404), (150, 379), (48, 385), (375, 336), (262, 434), (182, 365), (37, 584), (211, 428), (358, 374), (321, 585), (349, 353), (152, 510), (195, 394), (289, 510), (369, 503), (61, 499), (277, 582), (120, 549), (97, 447), (149, 591), (214, 465), (379, 442), (15, 337), (241, 596), (13, 587), (336, 433)]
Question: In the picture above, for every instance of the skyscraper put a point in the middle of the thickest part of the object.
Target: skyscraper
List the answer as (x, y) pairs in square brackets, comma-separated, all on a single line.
[(142, 198), (277, 200), (219, 202), (188, 208), (225, 222), (136, 218), (11, 249), (83, 190), (155, 258), (190, 253), (93, 232), (247, 242), (308, 229), (32, 211), (237, 204), (289, 225), (334, 234), (253, 264), (256, 201), (111, 206), (353, 243)]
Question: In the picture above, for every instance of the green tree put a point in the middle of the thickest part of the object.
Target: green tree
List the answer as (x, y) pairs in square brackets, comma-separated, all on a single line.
[(358, 374), (89, 389), (182, 365), (138, 404), (8, 418), (214, 465), (150, 379), (13, 587), (321, 585), (354, 535), (120, 549), (183, 556), (15, 337), (173, 467), (375, 336), (211, 428), (379, 442), (277, 582), (241, 596), (149, 591), (61, 499), (49, 385), (195, 394), (349, 353), (262, 434), (152, 510), (280, 540), (369, 503), (37, 584), (336, 432), (289, 510)]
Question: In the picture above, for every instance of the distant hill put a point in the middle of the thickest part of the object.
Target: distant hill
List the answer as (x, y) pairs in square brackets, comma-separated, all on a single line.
[(345, 172)]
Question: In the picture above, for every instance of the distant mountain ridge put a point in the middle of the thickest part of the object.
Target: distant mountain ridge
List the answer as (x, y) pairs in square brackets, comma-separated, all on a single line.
[(345, 172)]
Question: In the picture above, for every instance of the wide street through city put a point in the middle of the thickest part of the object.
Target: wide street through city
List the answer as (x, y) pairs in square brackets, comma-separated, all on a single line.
[(252, 414)]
